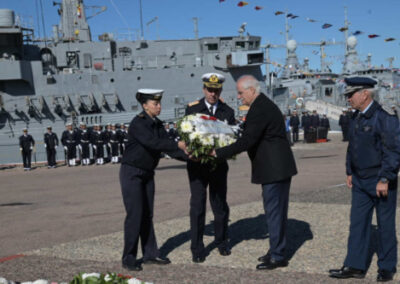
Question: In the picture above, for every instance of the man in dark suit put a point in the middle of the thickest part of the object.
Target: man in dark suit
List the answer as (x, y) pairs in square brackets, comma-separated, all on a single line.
[(201, 175), (272, 164), (344, 121), (294, 124)]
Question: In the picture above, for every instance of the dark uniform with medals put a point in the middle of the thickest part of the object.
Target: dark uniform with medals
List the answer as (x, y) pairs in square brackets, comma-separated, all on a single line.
[(50, 143), (26, 143), (344, 121), (114, 142), (147, 138), (123, 139), (373, 159), (97, 141), (84, 144), (201, 176), (69, 141), (106, 134)]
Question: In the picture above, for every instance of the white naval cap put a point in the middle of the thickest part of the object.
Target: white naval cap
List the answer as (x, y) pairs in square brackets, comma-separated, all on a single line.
[(213, 80), (142, 95)]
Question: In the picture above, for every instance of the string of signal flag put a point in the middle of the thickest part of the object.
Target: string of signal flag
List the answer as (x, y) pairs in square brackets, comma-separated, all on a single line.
[(324, 25)]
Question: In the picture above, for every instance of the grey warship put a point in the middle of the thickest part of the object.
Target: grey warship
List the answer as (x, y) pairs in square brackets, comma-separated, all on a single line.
[(71, 77), (299, 87)]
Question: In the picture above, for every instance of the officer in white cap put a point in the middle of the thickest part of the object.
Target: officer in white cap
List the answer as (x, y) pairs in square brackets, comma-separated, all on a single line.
[(69, 141), (50, 143), (96, 138), (26, 144), (114, 142), (201, 176), (84, 144), (146, 140)]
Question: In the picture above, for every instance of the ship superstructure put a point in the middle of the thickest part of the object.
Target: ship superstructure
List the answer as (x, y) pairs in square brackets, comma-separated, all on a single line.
[(70, 77)]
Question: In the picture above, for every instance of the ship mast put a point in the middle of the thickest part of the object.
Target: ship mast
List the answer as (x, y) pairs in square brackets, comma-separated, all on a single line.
[(73, 23)]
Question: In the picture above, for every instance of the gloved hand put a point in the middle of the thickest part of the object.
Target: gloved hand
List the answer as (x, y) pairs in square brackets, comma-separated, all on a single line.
[(109, 145), (45, 146), (95, 147), (80, 147), (31, 148), (55, 147), (20, 149), (65, 148)]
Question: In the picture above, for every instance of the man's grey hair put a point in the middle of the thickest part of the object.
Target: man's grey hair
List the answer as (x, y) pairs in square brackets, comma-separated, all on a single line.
[(249, 81), (372, 92)]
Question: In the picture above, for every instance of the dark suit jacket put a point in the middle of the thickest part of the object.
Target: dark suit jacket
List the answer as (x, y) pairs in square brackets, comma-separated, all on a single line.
[(264, 138)]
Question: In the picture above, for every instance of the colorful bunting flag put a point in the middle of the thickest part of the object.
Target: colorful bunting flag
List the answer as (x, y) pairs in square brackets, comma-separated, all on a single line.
[(373, 36), (278, 13), (325, 26), (289, 15), (242, 4), (258, 8), (357, 33), (343, 29), (311, 20), (294, 17), (390, 39)]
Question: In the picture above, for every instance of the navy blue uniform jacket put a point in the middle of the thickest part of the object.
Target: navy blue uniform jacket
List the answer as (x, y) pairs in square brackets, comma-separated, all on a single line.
[(374, 144), (264, 138), (147, 138)]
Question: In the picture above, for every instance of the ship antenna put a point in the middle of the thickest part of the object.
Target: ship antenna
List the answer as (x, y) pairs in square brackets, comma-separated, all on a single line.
[(44, 26), (141, 20), (196, 27), (37, 18)]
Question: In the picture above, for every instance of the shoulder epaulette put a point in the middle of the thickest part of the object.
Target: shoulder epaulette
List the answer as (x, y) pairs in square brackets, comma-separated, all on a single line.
[(141, 115), (193, 103), (388, 110)]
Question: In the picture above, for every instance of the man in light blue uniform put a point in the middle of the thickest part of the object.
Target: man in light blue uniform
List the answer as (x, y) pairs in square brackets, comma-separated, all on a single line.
[(372, 165)]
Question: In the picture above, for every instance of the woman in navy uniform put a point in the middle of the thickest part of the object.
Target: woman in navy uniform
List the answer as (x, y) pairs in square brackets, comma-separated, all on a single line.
[(372, 166), (147, 138)]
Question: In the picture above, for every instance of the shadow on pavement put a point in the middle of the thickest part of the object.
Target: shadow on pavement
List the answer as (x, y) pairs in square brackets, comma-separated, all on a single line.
[(247, 229)]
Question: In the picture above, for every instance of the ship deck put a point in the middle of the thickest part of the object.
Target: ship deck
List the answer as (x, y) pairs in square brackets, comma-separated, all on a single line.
[(56, 223)]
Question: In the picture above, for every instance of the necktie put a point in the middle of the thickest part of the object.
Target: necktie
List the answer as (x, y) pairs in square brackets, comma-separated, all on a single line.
[(211, 110)]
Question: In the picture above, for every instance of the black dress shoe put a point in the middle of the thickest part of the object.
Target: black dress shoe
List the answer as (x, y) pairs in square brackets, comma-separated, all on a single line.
[(133, 267), (384, 276), (198, 259), (157, 260), (347, 272), (272, 264), (224, 251), (264, 258)]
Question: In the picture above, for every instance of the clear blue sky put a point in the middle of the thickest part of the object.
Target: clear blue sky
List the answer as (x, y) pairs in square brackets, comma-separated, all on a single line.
[(223, 19)]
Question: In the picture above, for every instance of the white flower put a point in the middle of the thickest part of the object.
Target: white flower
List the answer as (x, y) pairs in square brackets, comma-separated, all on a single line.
[(207, 140), (3, 280), (41, 281), (186, 127), (194, 135), (134, 281), (107, 277), (86, 275)]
